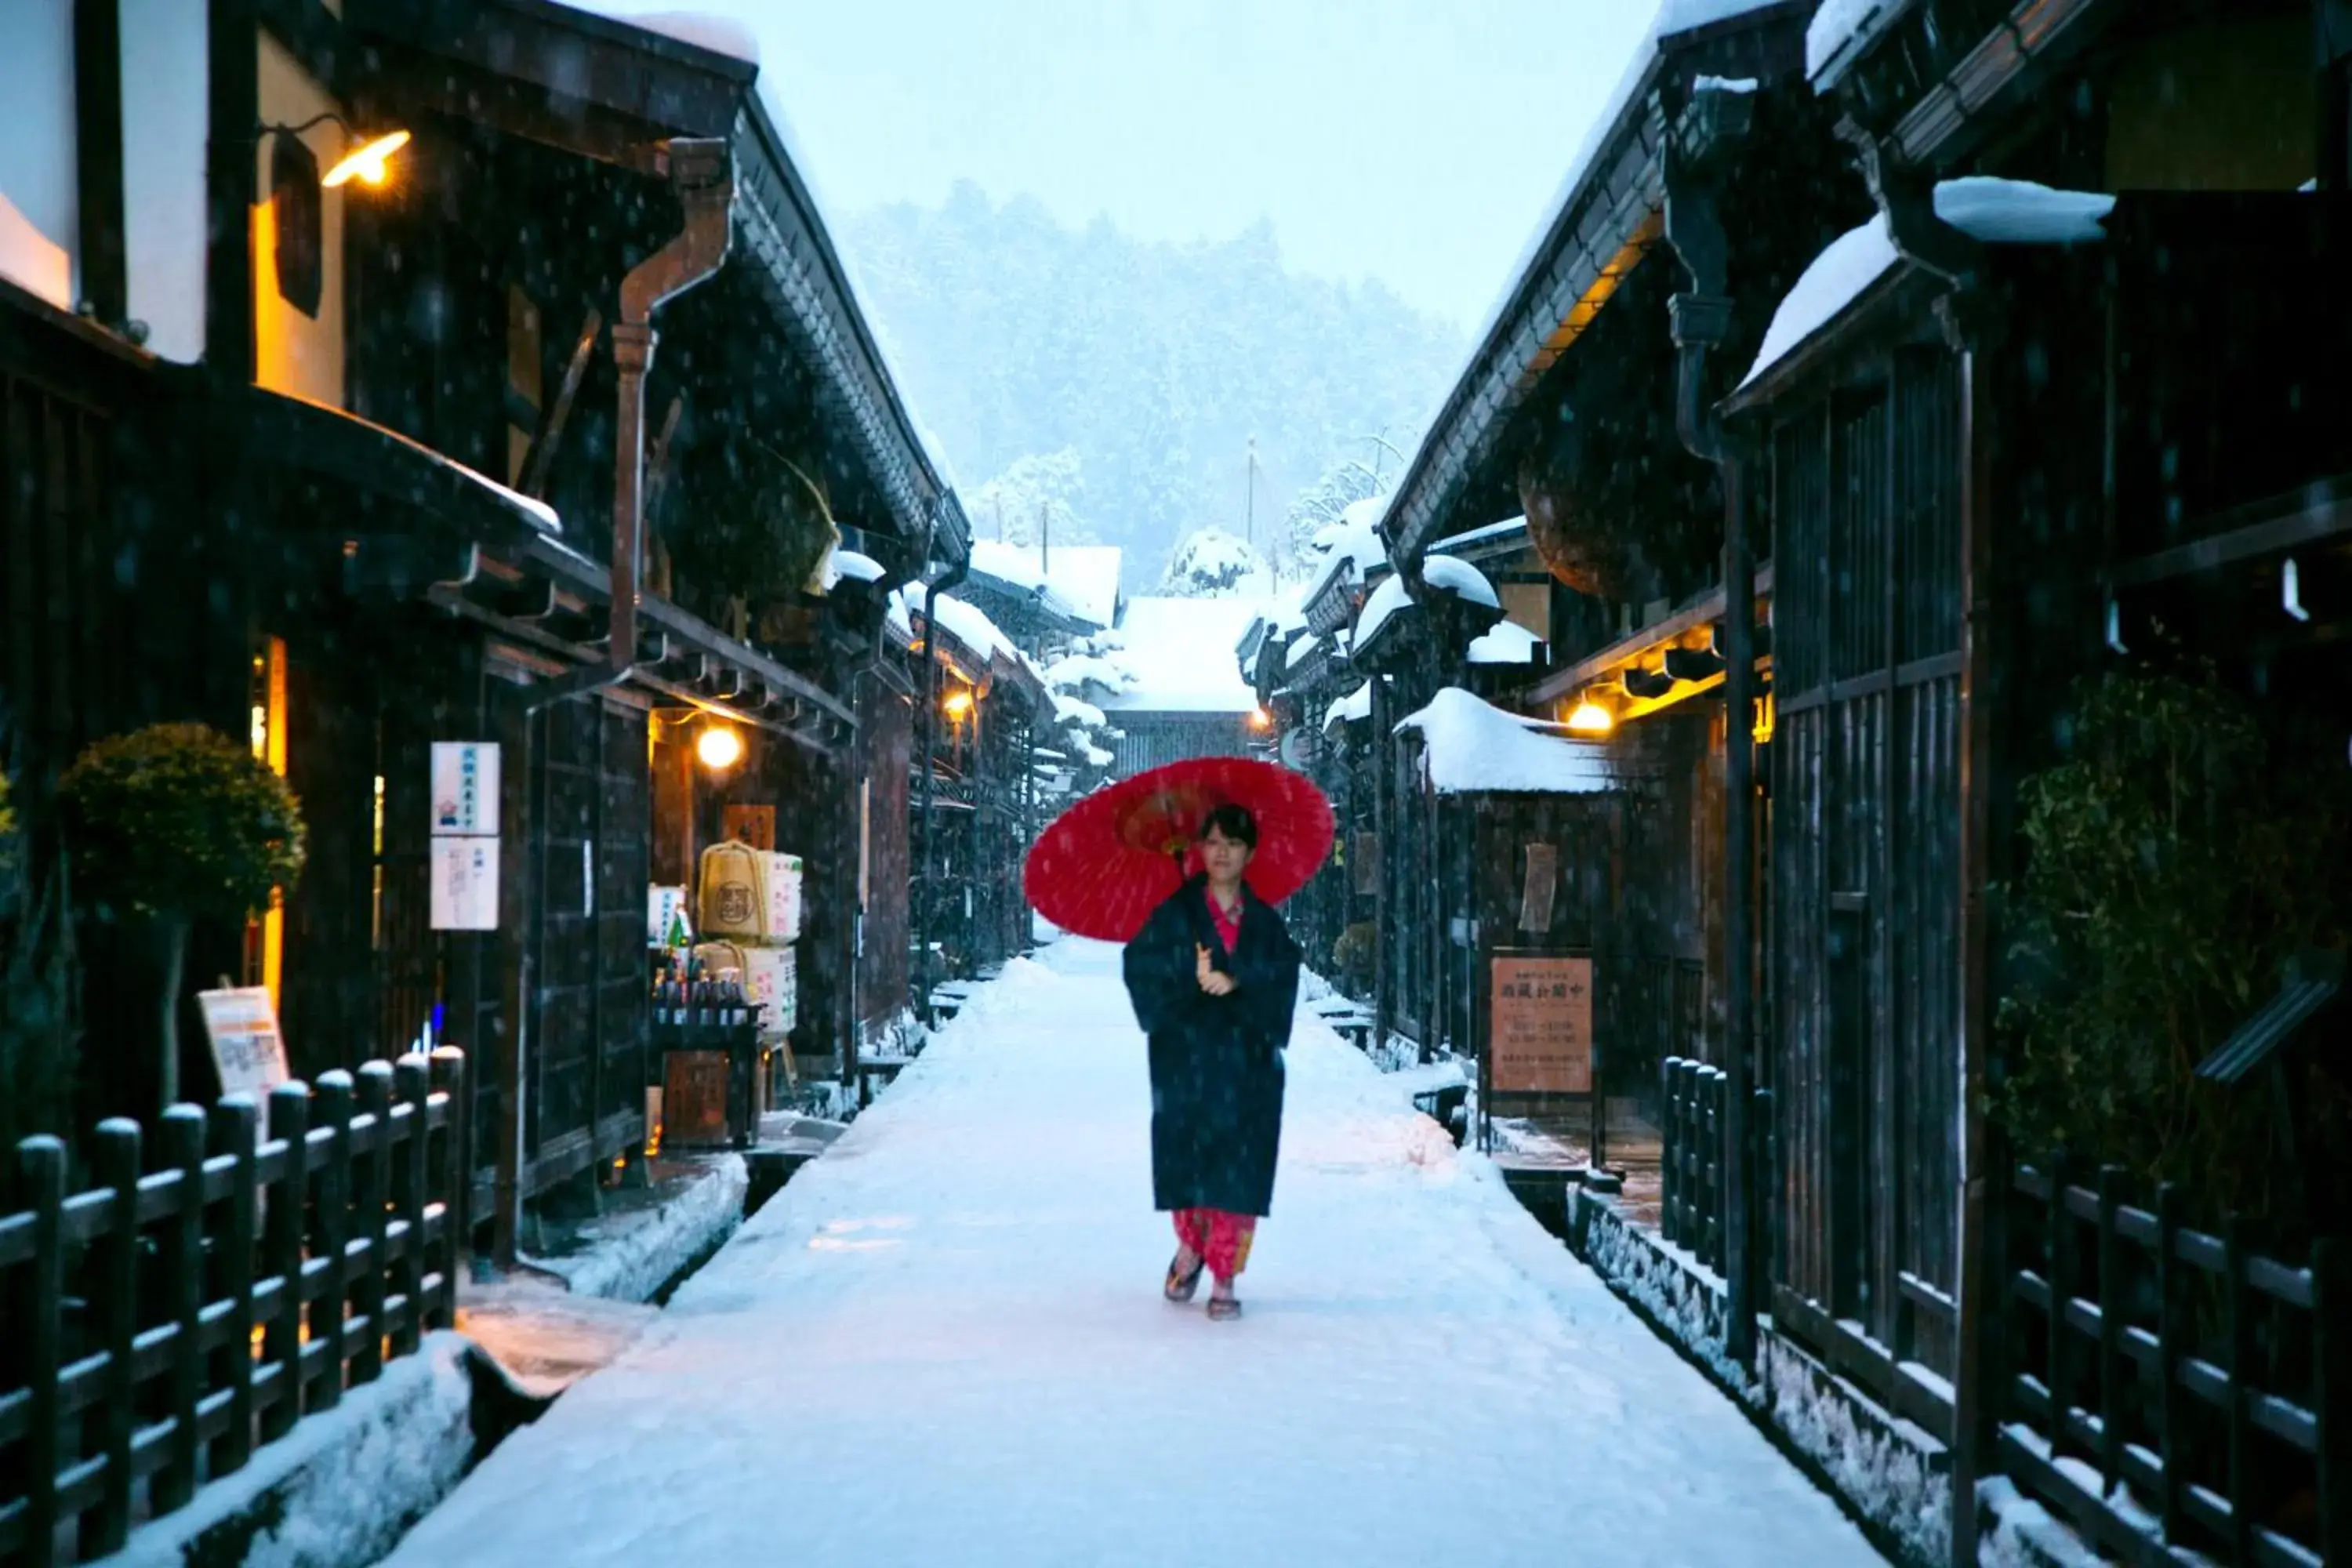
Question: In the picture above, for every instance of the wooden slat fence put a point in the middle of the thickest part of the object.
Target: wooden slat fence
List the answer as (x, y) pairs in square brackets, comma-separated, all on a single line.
[(1691, 1184), (208, 1287), (2177, 1396)]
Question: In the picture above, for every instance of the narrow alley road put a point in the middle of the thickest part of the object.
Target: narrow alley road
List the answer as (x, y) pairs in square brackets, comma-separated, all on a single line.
[(943, 1344)]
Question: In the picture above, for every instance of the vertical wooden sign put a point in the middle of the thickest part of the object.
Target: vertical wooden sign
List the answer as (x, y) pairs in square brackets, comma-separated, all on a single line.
[(1542, 885)]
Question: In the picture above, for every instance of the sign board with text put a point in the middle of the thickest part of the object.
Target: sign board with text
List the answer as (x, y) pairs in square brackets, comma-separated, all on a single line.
[(249, 1051), (466, 788), (1539, 1030)]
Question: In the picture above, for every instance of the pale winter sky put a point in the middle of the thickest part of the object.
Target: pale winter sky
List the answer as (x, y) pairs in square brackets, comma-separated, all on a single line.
[(1415, 141)]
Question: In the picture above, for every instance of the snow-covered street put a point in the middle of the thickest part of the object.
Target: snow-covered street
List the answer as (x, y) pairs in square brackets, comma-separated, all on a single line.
[(944, 1344)]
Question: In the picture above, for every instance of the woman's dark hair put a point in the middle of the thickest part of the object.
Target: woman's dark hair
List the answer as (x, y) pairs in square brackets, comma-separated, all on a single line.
[(1233, 821)]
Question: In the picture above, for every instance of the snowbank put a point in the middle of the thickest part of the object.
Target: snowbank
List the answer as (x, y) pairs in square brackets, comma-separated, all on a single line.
[(1474, 746), (340, 1489), (1997, 212), (1508, 643), (632, 1255), (1180, 652)]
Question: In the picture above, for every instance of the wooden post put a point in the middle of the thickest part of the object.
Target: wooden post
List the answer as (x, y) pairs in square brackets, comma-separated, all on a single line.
[(281, 1338), (180, 1149), (1669, 1173), (39, 1339), (330, 1232), (2060, 1275), (2115, 1374), (371, 1215), (235, 1122), (2331, 1348), (2172, 1331), (457, 1170), (1979, 1309), (114, 1287), (2238, 1335), (412, 1175)]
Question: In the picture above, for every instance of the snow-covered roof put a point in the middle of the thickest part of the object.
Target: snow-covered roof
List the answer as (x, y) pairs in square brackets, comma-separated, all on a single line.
[(1178, 649), (1079, 670), (1459, 577), (1506, 643), (858, 568), (1068, 709), (1081, 578), (719, 34), (1351, 544), (1443, 572), (1386, 600), (1492, 531), (1997, 212), (1300, 651), (1471, 746), (1348, 710), (1839, 24)]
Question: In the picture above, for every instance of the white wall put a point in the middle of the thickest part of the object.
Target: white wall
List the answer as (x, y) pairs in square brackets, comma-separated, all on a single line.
[(164, 131), (36, 148)]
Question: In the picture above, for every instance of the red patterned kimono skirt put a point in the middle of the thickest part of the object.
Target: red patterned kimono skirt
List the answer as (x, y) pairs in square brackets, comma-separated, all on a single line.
[(1223, 1239)]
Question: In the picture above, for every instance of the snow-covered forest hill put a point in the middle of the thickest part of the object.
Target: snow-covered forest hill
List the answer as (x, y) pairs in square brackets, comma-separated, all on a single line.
[(1131, 376)]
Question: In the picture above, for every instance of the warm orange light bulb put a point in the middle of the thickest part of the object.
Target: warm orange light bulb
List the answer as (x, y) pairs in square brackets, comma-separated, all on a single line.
[(719, 748), (368, 163), (1591, 718)]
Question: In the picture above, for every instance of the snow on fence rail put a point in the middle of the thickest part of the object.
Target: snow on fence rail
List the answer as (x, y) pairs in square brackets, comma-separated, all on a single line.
[(211, 1287), (1690, 1191), (2166, 1390)]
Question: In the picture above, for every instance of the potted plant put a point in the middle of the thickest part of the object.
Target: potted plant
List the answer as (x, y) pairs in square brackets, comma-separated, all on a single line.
[(174, 823)]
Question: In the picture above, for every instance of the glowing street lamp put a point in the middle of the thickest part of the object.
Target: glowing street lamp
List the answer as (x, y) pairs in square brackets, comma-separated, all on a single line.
[(719, 748), (1592, 718), (367, 162), (958, 704), (1260, 719)]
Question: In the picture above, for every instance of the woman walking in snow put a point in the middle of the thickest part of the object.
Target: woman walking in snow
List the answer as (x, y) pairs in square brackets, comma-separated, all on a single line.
[(1213, 976)]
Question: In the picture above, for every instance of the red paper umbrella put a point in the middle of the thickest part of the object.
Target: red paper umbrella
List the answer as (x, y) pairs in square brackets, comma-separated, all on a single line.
[(1107, 862)]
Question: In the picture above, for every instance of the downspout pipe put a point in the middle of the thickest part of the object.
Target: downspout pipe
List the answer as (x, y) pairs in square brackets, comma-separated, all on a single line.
[(701, 171), (946, 583), (1706, 134)]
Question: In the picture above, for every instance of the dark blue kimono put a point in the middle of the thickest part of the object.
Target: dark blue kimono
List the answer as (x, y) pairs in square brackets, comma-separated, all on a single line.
[(1217, 1061)]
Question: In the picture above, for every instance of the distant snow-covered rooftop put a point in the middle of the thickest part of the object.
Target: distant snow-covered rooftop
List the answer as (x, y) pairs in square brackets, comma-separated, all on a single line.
[(1997, 212), (1471, 746), (1386, 600), (1083, 578), (1181, 651), (1352, 543)]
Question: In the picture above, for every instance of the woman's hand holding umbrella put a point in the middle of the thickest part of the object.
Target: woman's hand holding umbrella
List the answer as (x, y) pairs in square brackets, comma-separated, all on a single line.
[(1215, 982)]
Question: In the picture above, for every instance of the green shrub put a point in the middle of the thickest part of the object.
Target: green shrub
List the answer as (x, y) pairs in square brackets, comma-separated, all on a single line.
[(179, 822), (2171, 864)]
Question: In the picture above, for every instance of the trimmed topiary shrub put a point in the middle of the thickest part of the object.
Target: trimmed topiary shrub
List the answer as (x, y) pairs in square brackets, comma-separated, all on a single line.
[(174, 823)]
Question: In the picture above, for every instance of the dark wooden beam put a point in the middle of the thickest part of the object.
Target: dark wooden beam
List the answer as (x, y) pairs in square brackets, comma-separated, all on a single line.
[(2317, 514), (98, 139), (232, 102)]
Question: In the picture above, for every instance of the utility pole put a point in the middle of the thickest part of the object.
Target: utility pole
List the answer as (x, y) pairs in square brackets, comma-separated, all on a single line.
[(1249, 495), (1045, 538), (998, 500)]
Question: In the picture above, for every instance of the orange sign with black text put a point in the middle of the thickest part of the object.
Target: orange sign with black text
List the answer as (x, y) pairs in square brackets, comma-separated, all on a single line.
[(1541, 1037)]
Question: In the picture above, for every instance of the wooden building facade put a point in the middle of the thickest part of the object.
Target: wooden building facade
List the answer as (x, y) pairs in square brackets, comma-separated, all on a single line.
[(277, 516)]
